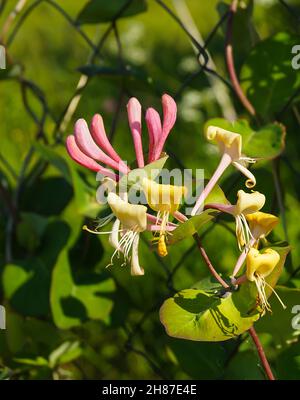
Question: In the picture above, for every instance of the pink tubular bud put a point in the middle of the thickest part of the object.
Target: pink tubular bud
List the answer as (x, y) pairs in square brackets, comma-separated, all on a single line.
[(134, 111), (170, 113), (100, 137), (77, 155), (154, 130), (88, 146)]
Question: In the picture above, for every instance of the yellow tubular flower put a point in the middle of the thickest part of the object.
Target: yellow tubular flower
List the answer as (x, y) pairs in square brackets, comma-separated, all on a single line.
[(133, 219), (230, 143), (165, 200), (247, 203), (132, 216), (259, 266), (261, 224)]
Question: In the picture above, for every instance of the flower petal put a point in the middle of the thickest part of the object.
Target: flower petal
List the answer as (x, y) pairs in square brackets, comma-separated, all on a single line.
[(134, 111), (88, 146), (100, 137), (154, 130), (114, 236), (170, 113), (77, 155), (136, 269), (251, 181)]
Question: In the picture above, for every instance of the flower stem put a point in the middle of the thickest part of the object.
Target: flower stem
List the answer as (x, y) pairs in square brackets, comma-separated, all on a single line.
[(230, 61), (208, 262), (261, 354), (224, 163), (242, 258)]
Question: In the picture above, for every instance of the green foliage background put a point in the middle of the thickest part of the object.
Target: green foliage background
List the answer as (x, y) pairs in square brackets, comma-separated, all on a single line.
[(68, 316)]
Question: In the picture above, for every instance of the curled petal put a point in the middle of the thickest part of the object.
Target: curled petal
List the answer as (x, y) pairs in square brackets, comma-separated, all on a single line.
[(77, 155), (154, 130), (251, 181), (136, 269), (170, 113), (88, 146), (134, 111), (100, 137)]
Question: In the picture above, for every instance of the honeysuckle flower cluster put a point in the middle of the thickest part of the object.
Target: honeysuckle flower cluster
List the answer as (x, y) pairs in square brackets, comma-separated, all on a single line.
[(91, 148)]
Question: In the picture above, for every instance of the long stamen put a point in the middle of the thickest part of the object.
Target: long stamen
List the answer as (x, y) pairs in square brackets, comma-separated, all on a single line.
[(105, 220), (85, 228), (260, 284), (276, 294)]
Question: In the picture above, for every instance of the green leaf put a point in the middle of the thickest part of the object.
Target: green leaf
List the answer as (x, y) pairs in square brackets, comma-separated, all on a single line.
[(134, 178), (54, 158), (268, 142), (280, 323), (201, 360), (75, 301), (216, 195), (30, 230), (288, 363), (97, 11), (34, 362), (267, 77), (26, 285), (11, 72), (196, 314), (192, 226), (243, 366), (65, 353)]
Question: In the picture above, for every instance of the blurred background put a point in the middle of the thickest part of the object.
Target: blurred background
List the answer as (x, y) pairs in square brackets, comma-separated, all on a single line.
[(67, 316)]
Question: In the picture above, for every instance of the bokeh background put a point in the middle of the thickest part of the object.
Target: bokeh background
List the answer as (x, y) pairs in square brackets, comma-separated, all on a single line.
[(67, 316)]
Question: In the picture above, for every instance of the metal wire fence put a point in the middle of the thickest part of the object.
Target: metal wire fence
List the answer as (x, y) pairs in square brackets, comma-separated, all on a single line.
[(11, 30)]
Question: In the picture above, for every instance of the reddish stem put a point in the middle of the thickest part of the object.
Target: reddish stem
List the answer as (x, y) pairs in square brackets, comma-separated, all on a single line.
[(261, 354), (230, 61), (208, 262)]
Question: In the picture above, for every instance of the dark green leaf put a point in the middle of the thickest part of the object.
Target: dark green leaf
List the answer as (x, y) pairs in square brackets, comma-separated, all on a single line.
[(267, 76), (96, 11)]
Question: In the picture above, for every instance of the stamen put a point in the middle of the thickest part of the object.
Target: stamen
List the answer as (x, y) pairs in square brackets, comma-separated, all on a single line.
[(276, 294), (105, 220), (85, 228), (248, 160)]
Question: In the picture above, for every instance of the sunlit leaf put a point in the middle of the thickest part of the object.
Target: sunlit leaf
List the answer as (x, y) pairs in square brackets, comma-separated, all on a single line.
[(266, 142), (203, 315), (192, 226)]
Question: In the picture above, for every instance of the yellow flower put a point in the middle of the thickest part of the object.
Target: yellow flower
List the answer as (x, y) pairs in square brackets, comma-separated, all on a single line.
[(132, 216), (260, 265), (165, 200), (261, 224), (124, 236), (230, 144), (247, 203)]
